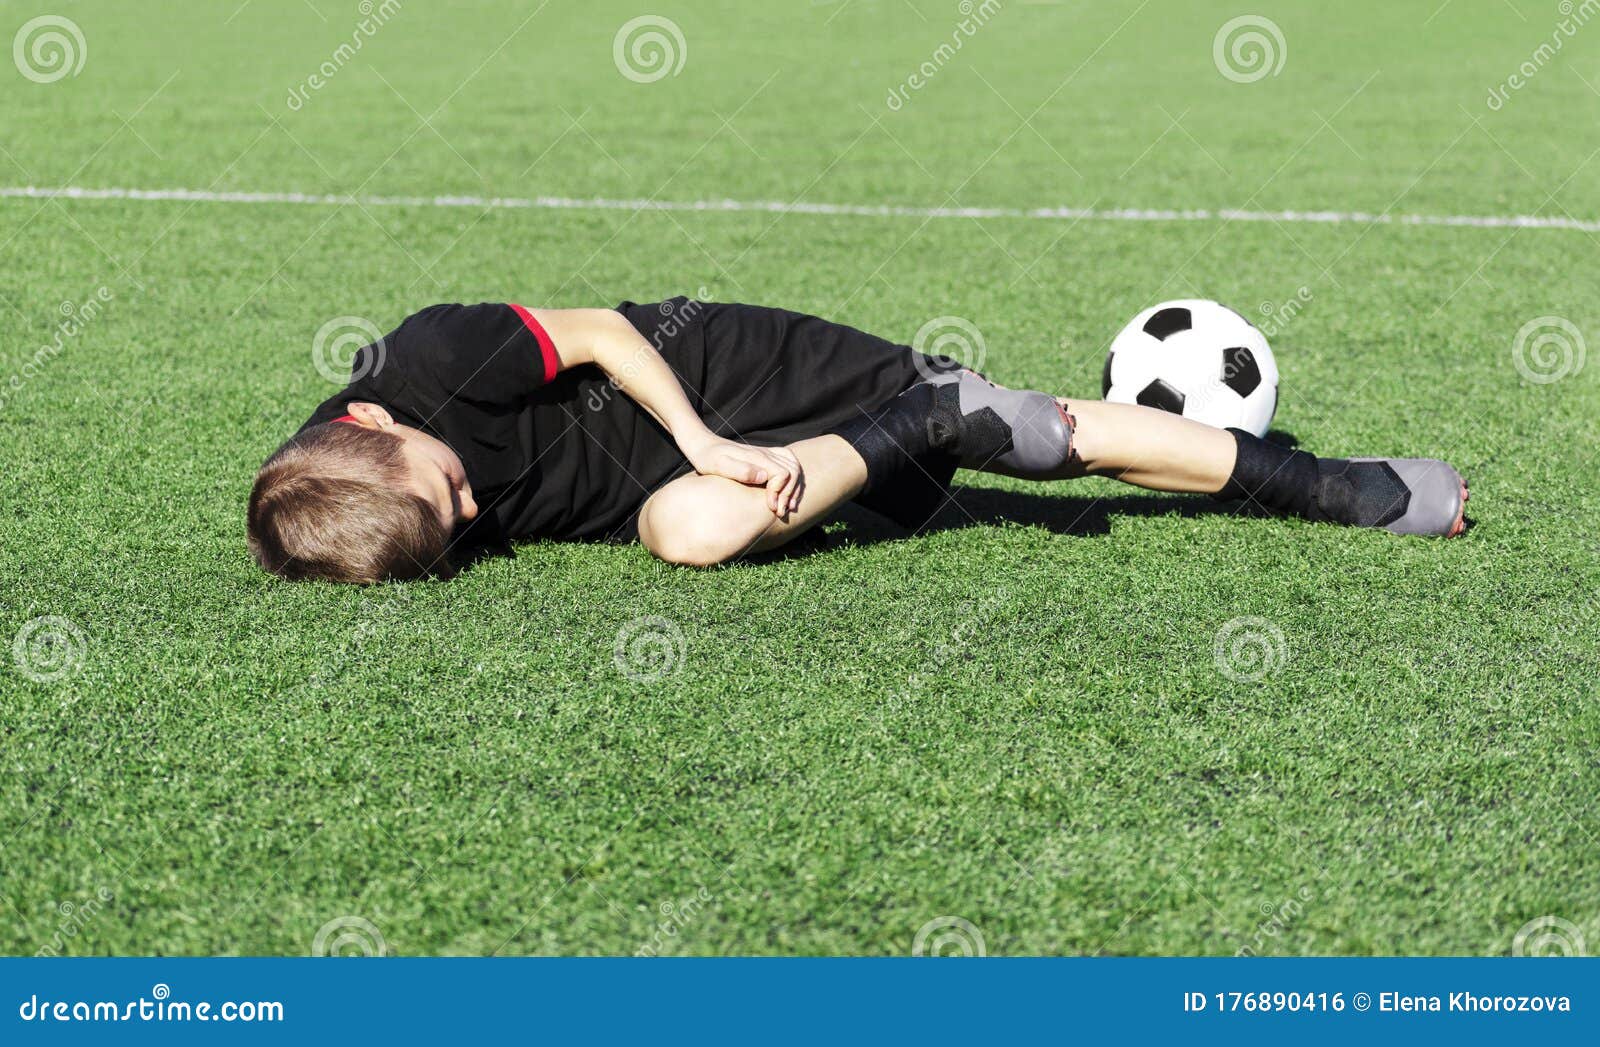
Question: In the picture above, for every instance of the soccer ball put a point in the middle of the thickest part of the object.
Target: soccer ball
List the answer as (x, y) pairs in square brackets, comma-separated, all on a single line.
[(1196, 358)]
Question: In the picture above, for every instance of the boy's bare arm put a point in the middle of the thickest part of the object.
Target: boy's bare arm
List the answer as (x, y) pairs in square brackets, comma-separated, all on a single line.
[(605, 338)]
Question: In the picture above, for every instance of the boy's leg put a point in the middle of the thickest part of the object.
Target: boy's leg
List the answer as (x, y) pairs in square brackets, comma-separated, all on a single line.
[(896, 459), (1166, 452), (1034, 436), (1147, 448), (706, 520)]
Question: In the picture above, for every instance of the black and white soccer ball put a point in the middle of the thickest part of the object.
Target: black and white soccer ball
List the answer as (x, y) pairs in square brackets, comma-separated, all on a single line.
[(1196, 358)]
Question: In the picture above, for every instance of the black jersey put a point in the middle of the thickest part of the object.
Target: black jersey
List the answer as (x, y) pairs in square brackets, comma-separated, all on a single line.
[(569, 455)]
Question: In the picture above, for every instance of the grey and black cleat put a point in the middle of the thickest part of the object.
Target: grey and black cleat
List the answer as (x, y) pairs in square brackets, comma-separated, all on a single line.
[(1421, 496), (1415, 496), (986, 426)]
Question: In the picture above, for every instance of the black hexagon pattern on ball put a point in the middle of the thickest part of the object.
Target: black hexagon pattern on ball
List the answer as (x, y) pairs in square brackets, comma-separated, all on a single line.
[(1160, 395), (1240, 371), (1168, 321)]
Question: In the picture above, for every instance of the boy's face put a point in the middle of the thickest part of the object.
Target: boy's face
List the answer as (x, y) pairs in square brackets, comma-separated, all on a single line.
[(436, 471)]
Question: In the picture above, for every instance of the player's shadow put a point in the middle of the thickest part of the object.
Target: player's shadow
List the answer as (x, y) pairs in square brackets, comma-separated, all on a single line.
[(1064, 514)]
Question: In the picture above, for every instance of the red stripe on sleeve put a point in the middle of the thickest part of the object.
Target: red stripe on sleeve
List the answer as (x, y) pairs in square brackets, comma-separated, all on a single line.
[(547, 348)]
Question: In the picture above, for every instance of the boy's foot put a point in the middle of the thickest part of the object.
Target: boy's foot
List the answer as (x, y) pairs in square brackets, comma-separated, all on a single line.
[(1418, 496), (1437, 497)]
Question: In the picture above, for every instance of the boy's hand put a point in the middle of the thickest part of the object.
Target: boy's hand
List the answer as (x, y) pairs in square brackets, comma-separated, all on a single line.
[(775, 468)]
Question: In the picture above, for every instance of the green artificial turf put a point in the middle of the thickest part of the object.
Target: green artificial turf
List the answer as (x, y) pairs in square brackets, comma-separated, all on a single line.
[(1017, 718)]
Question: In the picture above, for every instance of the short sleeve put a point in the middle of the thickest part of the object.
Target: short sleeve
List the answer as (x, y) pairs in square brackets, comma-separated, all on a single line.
[(492, 355)]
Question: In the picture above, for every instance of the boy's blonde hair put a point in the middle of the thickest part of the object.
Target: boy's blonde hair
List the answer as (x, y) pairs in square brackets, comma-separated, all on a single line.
[(333, 504)]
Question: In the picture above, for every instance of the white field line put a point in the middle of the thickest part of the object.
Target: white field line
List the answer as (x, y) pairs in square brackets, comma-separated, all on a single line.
[(567, 203)]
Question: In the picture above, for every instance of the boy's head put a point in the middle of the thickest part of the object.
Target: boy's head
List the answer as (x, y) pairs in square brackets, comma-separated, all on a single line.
[(362, 499)]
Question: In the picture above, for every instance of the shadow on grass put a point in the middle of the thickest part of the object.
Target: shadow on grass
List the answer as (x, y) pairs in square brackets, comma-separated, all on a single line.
[(1074, 515)]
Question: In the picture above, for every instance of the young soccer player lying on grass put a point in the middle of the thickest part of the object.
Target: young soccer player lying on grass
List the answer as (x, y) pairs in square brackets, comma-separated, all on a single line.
[(716, 431)]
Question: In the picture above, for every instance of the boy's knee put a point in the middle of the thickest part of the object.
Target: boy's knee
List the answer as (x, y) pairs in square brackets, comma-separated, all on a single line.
[(1042, 436), (1034, 425), (697, 521)]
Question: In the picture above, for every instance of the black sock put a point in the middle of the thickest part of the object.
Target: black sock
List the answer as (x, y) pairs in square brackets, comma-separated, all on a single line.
[(1278, 478), (908, 469), (1329, 490)]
